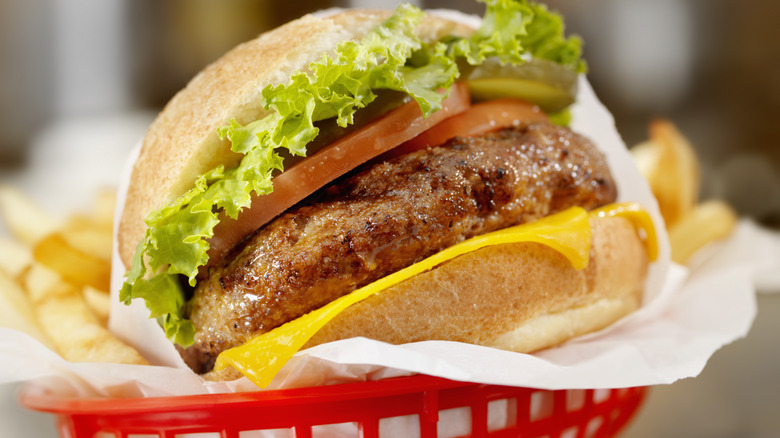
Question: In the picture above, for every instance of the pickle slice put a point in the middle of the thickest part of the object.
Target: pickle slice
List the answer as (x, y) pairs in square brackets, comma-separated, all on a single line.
[(544, 83)]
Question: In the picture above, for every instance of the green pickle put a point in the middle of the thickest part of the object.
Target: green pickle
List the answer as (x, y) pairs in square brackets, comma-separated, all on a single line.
[(544, 83)]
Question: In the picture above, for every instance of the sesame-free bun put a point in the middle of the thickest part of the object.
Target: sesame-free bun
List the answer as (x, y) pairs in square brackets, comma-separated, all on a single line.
[(182, 143)]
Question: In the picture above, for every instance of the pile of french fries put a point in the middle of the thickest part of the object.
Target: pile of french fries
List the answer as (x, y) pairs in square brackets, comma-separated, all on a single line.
[(54, 278), (669, 163)]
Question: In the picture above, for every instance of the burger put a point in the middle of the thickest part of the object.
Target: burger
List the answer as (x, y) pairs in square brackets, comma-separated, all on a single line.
[(396, 175)]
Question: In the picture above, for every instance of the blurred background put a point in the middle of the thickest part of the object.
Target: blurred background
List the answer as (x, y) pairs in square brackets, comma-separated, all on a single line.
[(80, 80)]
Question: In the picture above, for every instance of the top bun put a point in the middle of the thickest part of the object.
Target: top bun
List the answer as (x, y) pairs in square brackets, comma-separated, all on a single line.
[(182, 143)]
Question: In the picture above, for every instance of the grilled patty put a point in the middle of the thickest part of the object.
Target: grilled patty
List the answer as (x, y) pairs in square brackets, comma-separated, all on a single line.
[(387, 216)]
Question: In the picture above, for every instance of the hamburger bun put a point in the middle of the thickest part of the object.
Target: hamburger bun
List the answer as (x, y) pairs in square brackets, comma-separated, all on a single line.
[(521, 297)]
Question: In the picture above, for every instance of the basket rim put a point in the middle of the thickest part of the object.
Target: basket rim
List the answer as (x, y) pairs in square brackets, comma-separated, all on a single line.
[(34, 398)]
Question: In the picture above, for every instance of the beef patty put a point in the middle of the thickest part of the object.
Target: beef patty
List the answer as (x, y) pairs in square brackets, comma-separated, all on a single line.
[(386, 216)]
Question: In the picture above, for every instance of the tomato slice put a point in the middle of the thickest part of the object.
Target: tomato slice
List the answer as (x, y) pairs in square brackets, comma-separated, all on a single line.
[(304, 178), (479, 119)]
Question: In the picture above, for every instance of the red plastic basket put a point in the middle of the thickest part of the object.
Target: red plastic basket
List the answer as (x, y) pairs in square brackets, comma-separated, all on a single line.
[(421, 406)]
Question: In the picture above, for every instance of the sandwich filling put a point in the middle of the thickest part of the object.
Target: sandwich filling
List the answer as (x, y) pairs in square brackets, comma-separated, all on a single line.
[(386, 216)]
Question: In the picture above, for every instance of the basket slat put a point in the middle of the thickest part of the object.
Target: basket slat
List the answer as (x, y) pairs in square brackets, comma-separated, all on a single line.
[(415, 403)]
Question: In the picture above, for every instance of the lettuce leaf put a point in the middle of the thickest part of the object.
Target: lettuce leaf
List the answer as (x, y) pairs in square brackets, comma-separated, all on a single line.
[(516, 31), (389, 57)]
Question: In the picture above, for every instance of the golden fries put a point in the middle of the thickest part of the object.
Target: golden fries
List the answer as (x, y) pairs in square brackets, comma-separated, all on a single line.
[(708, 221), (98, 302), (678, 188), (89, 237), (17, 311), (670, 165), (67, 321), (14, 257), (26, 221), (77, 267), (54, 279)]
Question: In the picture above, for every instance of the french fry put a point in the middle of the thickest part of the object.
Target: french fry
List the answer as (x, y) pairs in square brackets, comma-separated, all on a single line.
[(647, 158), (42, 283), (670, 165), (53, 279), (67, 321), (26, 221), (677, 186), (99, 302), (88, 236), (14, 257), (17, 311), (78, 267), (708, 222)]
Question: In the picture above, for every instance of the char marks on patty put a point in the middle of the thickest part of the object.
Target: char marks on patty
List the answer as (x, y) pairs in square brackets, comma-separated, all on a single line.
[(386, 216)]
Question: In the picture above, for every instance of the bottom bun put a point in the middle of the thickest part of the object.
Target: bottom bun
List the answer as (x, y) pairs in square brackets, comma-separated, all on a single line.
[(521, 297)]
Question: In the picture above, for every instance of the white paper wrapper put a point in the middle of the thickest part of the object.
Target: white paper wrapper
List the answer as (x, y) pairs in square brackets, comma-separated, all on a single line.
[(684, 320)]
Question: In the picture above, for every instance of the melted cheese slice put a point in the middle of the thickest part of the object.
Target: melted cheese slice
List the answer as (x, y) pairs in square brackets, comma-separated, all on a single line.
[(639, 218), (568, 232)]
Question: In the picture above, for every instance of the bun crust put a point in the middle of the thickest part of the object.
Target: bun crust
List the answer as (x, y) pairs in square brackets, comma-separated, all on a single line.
[(182, 143), (522, 297)]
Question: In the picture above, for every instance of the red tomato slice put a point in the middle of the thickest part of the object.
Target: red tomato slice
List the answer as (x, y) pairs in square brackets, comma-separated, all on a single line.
[(479, 119), (304, 178)]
